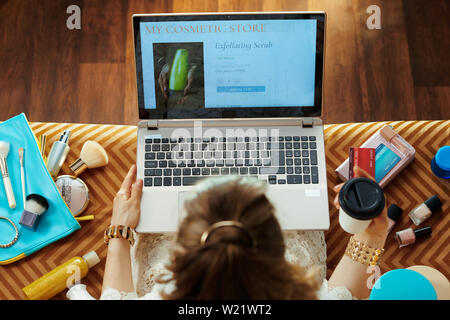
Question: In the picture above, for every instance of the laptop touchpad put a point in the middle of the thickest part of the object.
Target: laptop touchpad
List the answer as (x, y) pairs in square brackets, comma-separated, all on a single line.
[(182, 197)]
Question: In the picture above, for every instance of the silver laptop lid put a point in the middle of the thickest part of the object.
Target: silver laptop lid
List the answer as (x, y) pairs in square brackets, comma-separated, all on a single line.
[(244, 65)]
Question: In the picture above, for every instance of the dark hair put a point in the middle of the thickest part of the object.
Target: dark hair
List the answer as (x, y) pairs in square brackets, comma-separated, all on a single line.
[(228, 266)]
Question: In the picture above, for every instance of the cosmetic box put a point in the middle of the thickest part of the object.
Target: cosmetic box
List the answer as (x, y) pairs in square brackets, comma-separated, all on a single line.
[(392, 155), (57, 222)]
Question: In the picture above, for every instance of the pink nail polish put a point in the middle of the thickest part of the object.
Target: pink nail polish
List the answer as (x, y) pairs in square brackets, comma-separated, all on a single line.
[(409, 236)]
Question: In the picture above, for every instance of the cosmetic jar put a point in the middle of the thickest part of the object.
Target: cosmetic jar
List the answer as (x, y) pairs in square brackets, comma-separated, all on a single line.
[(74, 192), (394, 214), (402, 284), (360, 200), (423, 211), (409, 236), (440, 164), (437, 279)]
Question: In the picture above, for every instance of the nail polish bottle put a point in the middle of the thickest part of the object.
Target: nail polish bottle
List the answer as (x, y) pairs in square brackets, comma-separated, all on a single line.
[(394, 214), (409, 236), (423, 211)]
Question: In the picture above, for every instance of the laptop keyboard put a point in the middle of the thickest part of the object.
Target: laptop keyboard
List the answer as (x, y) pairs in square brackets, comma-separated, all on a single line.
[(184, 161)]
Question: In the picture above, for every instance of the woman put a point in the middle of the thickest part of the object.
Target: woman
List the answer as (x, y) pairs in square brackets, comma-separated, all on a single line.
[(230, 246)]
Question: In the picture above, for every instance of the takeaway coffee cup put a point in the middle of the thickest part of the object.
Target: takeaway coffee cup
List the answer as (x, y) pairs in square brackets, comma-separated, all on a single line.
[(361, 200)]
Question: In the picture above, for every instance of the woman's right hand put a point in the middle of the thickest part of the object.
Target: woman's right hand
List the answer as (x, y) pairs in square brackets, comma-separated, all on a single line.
[(376, 233), (127, 203)]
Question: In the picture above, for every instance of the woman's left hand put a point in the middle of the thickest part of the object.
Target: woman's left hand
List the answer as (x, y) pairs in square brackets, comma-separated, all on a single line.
[(376, 232), (127, 203)]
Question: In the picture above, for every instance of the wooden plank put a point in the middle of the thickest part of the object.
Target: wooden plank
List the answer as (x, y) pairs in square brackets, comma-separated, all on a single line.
[(131, 115), (342, 86), (428, 32), (101, 93), (16, 55), (368, 72), (103, 30), (384, 56), (432, 102), (54, 64)]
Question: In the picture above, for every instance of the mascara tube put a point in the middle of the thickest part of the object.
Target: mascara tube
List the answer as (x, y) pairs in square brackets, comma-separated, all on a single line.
[(58, 154)]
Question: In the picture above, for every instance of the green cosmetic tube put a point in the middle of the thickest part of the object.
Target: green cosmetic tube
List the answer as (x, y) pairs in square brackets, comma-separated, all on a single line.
[(179, 70)]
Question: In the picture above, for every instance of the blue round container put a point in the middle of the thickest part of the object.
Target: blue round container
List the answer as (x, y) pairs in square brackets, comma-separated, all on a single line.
[(440, 164), (403, 284)]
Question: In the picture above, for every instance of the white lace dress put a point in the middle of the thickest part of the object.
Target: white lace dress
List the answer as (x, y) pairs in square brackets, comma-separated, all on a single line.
[(151, 253)]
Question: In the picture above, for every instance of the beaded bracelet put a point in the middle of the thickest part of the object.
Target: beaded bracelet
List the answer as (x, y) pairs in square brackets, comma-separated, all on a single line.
[(16, 236)]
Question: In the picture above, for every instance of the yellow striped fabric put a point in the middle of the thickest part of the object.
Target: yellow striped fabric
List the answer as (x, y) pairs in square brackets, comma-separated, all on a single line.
[(411, 187)]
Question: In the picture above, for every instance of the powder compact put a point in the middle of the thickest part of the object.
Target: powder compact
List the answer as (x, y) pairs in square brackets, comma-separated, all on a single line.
[(74, 192)]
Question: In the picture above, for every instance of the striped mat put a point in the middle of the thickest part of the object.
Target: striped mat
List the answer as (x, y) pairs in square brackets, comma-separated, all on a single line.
[(410, 188)]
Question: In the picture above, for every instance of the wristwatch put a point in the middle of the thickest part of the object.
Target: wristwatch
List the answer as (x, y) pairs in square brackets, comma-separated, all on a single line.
[(362, 253), (120, 232)]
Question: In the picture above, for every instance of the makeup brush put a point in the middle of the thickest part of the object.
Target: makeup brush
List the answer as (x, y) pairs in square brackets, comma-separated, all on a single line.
[(4, 150), (35, 206), (92, 155), (22, 175)]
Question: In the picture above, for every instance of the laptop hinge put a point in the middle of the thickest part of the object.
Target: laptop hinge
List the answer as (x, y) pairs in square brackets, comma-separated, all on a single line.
[(149, 124), (307, 123)]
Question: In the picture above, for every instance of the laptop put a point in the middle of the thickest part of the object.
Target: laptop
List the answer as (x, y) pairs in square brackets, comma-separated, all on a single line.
[(224, 94)]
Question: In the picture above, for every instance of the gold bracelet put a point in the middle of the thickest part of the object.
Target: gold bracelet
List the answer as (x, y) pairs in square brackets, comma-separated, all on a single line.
[(362, 253)]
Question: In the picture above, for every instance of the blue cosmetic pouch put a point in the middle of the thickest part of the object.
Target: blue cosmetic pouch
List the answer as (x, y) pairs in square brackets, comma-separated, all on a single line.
[(57, 222)]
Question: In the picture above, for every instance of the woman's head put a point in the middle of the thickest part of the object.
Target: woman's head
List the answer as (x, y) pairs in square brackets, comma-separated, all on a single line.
[(239, 259)]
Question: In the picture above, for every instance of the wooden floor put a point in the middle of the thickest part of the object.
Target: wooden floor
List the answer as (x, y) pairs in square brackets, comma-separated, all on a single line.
[(401, 72)]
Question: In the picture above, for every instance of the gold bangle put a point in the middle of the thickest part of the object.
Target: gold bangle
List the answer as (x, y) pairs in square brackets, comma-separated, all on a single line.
[(362, 253)]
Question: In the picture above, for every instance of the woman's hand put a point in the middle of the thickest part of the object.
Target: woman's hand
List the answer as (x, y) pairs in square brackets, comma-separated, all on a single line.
[(376, 233), (127, 203)]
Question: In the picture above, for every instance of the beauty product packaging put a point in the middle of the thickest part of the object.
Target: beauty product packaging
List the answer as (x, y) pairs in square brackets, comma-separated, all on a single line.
[(360, 200), (179, 70), (74, 192), (423, 211), (392, 155), (58, 154), (363, 158), (62, 277), (402, 284), (409, 236), (437, 279), (79, 292), (440, 164)]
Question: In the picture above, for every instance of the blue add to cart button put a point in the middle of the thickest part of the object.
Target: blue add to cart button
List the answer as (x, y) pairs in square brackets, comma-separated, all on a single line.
[(241, 89)]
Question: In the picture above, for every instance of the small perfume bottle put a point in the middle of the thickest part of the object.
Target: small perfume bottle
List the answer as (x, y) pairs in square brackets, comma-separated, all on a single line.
[(423, 211), (409, 236), (394, 214)]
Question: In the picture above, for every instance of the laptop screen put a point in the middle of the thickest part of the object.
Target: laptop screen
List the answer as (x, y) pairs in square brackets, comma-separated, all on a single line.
[(229, 66)]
